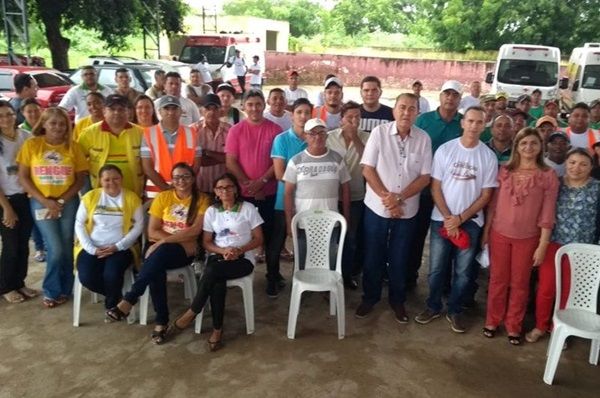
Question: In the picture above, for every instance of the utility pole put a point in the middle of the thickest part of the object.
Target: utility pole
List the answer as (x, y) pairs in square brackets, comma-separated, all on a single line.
[(14, 13), (151, 31)]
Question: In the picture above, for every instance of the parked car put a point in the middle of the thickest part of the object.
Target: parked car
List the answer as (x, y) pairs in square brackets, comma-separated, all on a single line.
[(141, 75), (52, 84)]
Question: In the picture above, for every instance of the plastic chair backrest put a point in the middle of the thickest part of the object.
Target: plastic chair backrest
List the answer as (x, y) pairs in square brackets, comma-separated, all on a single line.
[(584, 262), (318, 226)]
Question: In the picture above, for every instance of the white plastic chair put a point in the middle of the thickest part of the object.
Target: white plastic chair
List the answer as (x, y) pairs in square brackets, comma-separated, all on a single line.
[(245, 283), (190, 286), (579, 317), (78, 291), (317, 275)]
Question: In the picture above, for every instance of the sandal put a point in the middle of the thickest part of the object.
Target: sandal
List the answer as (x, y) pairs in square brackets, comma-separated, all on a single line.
[(514, 340), (29, 293), (61, 299), (14, 297), (534, 335), (215, 345), (159, 336), (48, 302), (489, 333), (116, 314)]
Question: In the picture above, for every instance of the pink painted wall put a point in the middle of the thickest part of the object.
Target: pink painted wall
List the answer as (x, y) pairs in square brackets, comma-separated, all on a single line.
[(393, 72)]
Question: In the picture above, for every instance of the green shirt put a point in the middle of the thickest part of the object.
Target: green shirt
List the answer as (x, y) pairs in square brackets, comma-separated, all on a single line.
[(486, 135), (595, 126), (438, 129), (536, 112)]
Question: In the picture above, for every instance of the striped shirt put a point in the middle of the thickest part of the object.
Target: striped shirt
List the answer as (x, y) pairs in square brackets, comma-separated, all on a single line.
[(211, 141)]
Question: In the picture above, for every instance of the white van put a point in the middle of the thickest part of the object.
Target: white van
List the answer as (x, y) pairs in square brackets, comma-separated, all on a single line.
[(522, 68), (584, 73)]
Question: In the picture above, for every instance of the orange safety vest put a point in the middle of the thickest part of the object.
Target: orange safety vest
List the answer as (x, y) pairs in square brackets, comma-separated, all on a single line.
[(592, 137), (184, 151), (320, 112)]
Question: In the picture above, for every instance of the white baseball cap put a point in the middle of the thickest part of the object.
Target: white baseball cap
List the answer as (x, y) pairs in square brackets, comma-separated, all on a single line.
[(333, 80), (452, 85), (312, 123)]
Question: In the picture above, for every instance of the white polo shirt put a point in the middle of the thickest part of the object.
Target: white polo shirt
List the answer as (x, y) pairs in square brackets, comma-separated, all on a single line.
[(75, 98), (189, 111), (398, 163)]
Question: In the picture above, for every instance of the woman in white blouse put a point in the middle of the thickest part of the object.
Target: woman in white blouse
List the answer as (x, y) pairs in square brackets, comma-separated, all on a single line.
[(108, 224)]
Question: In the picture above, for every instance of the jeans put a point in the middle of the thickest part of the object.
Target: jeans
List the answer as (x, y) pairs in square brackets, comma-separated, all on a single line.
[(276, 243), (154, 274), (104, 275), (58, 237), (213, 284), (266, 209), (36, 235), (15, 245), (387, 240), (352, 256), (440, 251), (423, 218)]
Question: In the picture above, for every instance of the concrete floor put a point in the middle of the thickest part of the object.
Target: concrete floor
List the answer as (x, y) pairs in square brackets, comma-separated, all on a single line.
[(44, 356)]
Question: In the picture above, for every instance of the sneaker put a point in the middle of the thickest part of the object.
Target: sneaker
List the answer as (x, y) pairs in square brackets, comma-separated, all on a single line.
[(363, 310), (426, 316), (39, 256), (456, 323), (400, 313), (272, 289)]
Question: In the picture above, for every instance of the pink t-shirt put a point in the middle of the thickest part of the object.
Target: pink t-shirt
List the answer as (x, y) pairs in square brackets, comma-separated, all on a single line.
[(522, 208), (251, 145)]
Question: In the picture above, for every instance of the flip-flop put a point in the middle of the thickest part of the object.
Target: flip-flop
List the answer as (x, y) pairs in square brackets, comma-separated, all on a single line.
[(116, 314), (28, 292), (48, 302), (159, 336), (14, 297), (489, 333), (514, 340)]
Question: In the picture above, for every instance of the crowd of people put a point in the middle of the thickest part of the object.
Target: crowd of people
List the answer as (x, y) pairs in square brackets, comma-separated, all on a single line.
[(190, 171)]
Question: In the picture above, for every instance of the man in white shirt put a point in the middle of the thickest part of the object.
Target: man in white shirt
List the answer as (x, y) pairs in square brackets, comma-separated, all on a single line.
[(464, 175), (396, 164), (417, 87), (331, 112), (255, 74), (189, 111), (471, 100), (75, 98), (293, 92), (204, 70), (557, 147), (239, 69), (276, 112)]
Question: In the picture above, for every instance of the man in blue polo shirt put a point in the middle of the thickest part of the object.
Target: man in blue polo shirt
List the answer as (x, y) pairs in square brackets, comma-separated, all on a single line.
[(442, 125)]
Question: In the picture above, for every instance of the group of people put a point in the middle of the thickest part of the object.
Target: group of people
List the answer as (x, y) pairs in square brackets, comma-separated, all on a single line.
[(229, 181)]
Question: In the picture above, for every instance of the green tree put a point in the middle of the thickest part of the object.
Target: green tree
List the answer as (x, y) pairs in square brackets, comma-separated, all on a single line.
[(113, 20), (390, 16)]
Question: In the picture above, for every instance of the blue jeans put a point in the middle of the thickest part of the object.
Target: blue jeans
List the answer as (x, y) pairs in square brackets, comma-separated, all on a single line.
[(38, 241), (387, 240), (58, 237), (104, 275), (440, 252)]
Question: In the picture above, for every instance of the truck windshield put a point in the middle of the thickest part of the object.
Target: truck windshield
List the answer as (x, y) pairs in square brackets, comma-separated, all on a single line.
[(591, 77), (529, 73), (193, 54)]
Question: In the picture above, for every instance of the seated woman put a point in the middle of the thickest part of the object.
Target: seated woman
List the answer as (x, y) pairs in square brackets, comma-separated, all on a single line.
[(176, 217), (231, 232), (107, 225)]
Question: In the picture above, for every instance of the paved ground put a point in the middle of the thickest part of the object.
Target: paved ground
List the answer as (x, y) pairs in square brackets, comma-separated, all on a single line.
[(44, 356)]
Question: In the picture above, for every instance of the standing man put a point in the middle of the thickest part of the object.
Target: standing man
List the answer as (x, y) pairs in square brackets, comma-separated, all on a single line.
[(524, 105), (229, 113), (203, 68), (557, 147), (239, 69), (189, 112), (158, 88), (115, 141), (442, 125), (166, 144), (292, 91), (212, 134), (537, 110), (578, 131), (248, 157), (197, 88), (473, 99), (396, 164), (25, 87), (372, 112), (331, 112), (417, 87), (255, 74), (464, 176), (75, 98), (501, 102), (488, 103), (595, 114), (123, 80), (349, 141), (276, 112), (502, 137)]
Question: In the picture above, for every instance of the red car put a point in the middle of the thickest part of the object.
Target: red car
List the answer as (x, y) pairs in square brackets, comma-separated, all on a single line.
[(52, 84)]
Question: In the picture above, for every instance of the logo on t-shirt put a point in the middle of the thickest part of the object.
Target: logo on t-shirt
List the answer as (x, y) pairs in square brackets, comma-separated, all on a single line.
[(179, 212), (463, 171), (52, 157)]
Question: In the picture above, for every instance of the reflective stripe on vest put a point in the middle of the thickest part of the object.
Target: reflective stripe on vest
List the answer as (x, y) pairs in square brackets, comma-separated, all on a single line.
[(591, 136), (320, 112)]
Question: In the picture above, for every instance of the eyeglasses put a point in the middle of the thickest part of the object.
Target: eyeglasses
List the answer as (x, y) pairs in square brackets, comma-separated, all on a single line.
[(185, 177), (7, 115), (226, 188), (318, 134)]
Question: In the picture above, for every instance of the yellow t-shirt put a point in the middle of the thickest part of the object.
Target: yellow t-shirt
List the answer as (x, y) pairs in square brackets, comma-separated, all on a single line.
[(173, 211), (81, 125), (52, 167)]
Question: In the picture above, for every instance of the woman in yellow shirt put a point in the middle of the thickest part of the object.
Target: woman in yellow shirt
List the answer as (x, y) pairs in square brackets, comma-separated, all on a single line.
[(176, 217), (95, 106), (52, 169)]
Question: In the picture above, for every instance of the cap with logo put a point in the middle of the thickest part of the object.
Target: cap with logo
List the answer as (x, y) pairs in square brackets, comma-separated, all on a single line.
[(116, 99), (168, 100)]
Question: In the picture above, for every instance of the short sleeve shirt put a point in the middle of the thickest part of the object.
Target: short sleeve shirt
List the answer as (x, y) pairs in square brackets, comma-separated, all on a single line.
[(173, 211), (438, 129), (285, 146), (336, 142), (370, 120), (9, 181), (232, 228)]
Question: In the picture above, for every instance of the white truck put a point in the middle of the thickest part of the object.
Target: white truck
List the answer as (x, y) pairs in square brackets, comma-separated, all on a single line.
[(584, 74), (522, 68)]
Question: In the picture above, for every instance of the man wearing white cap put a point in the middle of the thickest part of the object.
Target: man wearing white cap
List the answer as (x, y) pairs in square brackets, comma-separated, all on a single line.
[(189, 110), (442, 125), (331, 112)]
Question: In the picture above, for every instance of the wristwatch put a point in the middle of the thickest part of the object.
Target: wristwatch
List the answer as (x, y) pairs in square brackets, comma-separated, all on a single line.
[(265, 180), (60, 201)]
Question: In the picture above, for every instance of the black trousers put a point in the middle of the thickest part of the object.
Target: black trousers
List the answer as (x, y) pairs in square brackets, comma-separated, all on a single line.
[(423, 220), (276, 244), (15, 245), (213, 284), (266, 209), (242, 82)]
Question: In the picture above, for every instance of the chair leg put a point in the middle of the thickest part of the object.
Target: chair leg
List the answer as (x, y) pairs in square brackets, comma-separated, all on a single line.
[(95, 298), (554, 351), (76, 300), (198, 323), (128, 281), (294, 309), (332, 303), (341, 311), (248, 295), (594, 350), (143, 303), (190, 285)]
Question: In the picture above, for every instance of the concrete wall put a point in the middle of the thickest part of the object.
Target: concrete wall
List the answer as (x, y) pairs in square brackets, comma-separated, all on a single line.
[(393, 72)]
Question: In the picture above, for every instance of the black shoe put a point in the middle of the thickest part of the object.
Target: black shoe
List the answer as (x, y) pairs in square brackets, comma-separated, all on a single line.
[(400, 313), (350, 284), (280, 281), (272, 289), (363, 310)]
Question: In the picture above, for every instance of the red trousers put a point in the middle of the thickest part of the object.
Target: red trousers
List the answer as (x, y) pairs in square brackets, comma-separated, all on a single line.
[(510, 272), (546, 291)]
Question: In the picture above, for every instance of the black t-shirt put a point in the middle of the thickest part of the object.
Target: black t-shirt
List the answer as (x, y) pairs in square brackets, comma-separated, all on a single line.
[(370, 120)]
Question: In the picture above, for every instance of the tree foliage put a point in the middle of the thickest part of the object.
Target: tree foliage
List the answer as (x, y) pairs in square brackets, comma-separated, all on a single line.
[(391, 16), (113, 20)]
